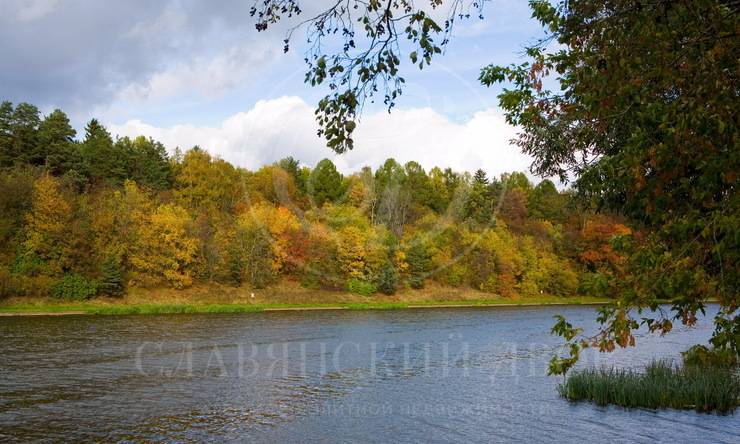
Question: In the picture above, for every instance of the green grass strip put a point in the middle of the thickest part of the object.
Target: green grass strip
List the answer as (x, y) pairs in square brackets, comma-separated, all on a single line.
[(124, 308)]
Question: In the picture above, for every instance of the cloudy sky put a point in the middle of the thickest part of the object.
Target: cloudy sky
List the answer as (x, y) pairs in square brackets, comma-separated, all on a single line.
[(189, 72)]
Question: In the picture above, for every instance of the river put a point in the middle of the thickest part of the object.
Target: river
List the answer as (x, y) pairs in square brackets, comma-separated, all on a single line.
[(430, 375)]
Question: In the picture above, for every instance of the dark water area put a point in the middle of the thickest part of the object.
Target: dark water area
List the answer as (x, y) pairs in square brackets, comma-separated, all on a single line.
[(427, 375)]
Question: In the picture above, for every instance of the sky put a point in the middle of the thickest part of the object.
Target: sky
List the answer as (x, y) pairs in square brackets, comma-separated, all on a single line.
[(196, 72)]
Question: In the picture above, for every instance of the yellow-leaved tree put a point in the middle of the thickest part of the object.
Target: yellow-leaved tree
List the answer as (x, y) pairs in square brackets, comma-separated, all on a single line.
[(361, 252), (202, 182), (116, 221), (164, 250), (279, 222), (48, 225), (351, 251)]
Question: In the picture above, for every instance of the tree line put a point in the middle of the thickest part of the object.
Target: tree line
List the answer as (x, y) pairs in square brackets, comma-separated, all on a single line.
[(98, 215)]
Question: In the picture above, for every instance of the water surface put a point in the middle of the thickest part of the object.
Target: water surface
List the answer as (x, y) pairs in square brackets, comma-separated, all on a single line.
[(432, 375)]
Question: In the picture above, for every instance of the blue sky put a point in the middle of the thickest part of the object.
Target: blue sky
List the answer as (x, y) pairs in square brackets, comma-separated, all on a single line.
[(188, 72)]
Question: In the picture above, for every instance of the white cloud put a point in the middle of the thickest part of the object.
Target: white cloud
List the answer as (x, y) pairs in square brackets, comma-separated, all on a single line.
[(208, 76), (273, 129), (172, 19), (30, 10)]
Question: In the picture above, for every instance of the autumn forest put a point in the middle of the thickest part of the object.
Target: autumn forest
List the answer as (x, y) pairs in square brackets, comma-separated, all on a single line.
[(96, 215)]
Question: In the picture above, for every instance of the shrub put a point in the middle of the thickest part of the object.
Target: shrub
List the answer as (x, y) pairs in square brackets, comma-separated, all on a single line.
[(74, 287), (27, 263), (563, 281), (316, 276), (594, 284), (363, 288), (453, 275), (310, 281), (701, 355), (12, 284), (528, 286)]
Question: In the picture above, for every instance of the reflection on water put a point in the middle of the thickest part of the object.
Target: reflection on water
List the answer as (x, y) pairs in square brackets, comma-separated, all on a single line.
[(437, 375)]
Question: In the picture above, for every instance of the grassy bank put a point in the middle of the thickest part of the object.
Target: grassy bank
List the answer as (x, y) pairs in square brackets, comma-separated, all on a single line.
[(661, 385), (224, 299)]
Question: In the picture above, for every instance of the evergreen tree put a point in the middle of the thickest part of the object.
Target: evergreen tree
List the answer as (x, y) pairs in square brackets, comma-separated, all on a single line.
[(236, 265), (24, 146), (479, 205), (292, 167), (387, 280), (100, 160), (420, 262), (495, 191), (325, 183), (6, 133), (111, 278), (56, 136), (480, 177), (146, 162)]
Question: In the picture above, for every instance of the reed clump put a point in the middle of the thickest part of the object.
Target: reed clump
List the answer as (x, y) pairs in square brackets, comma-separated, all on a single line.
[(662, 384)]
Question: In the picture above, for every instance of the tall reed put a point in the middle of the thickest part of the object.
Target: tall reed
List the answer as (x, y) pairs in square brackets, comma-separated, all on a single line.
[(662, 384)]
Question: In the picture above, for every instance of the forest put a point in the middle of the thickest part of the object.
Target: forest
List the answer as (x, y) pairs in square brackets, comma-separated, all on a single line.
[(96, 215)]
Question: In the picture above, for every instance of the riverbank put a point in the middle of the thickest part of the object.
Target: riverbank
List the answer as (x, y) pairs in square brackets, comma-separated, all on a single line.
[(284, 297)]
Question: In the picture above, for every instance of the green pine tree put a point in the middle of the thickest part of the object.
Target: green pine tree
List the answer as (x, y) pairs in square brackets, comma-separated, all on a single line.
[(21, 142), (102, 162), (387, 280), (420, 262), (236, 265), (111, 278), (479, 205), (6, 134), (480, 177), (56, 136), (325, 183)]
